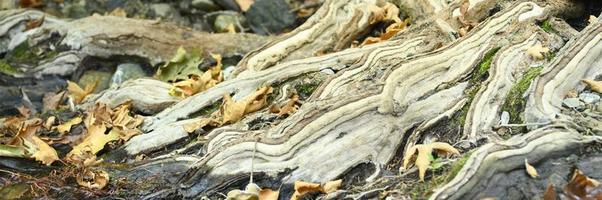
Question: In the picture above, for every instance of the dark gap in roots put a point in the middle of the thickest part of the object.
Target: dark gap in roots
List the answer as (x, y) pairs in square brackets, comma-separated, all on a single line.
[(589, 8)]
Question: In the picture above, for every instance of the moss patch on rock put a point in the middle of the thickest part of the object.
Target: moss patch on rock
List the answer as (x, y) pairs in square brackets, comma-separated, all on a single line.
[(515, 102)]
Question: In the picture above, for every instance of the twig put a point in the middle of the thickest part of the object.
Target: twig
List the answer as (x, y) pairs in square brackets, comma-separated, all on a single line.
[(525, 124)]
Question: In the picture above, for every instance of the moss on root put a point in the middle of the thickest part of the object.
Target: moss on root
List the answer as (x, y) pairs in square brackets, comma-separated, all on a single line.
[(547, 26), (480, 74), (515, 102), (423, 190), (7, 68)]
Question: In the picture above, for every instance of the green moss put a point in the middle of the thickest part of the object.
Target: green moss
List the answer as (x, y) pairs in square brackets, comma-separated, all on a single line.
[(23, 53), (305, 90), (7, 69), (423, 190), (480, 74), (207, 110), (515, 102), (547, 26)]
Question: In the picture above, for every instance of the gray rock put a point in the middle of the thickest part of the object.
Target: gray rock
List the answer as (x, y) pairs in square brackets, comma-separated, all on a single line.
[(327, 71), (126, 71), (91, 76), (205, 5), (222, 22), (573, 103), (589, 98), (270, 16), (505, 118), (228, 4), (162, 9)]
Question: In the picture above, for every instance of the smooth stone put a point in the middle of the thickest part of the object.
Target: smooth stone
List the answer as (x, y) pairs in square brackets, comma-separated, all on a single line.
[(205, 5), (573, 103), (222, 22), (589, 98), (228, 4), (127, 71), (270, 16), (327, 71), (91, 76), (162, 9)]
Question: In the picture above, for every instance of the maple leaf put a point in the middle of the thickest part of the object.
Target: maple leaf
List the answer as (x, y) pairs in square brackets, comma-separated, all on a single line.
[(26, 144), (595, 86), (66, 127), (537, 51), (424, 151), (181, 66), (195, 83)]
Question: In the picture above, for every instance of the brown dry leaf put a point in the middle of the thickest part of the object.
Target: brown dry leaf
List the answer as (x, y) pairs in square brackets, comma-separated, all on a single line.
[(245, 4), (52, 101), (233, 111), (268, 194), (531, 170), (66, 127), (595, 86), (191, 127), (44, 153), (424, 150), (97, 179), (550, 193), (34, 23), (288, 108), (196, 84), (390, 31), (302, 188), (388, 12), (78, 93), (94, 141), (537, 51), (581, 186), (332, 186), (117, 12)]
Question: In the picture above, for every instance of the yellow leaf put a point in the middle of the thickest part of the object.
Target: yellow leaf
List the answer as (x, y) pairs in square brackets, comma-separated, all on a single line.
[(531, 170), (537, 51), (331, 186), (45, 154), (93, 179), (66, 127), (422, 161), (245, 4), (268, 194), (390, 31), (595, 86), (195, 84), (233, 111), (388, 12), (302, 188), (93, 142), (78, 93)]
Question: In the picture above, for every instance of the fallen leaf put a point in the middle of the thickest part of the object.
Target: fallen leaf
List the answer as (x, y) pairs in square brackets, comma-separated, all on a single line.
[(181, 66), (332, 186), (52, 101), (537, 51), (44, 153), (288, 108), (422, 160), (550, 193), (94, 141), (245, 4), (531, 170), (390, 31), (78, 93), (302, 188), (233, 111), (26, 144), (34, 23), (97, 179), (191, 127), (268, 194), (595, 86), (195, 83), (387, 12), (581, 186), (66, 127)]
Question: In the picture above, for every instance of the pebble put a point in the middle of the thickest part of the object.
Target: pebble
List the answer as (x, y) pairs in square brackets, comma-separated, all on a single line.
[(589, 98), (270, 16), (205, 5), (162, 9), (222, 22), (573, 103), (327, 71), (91, 76)]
